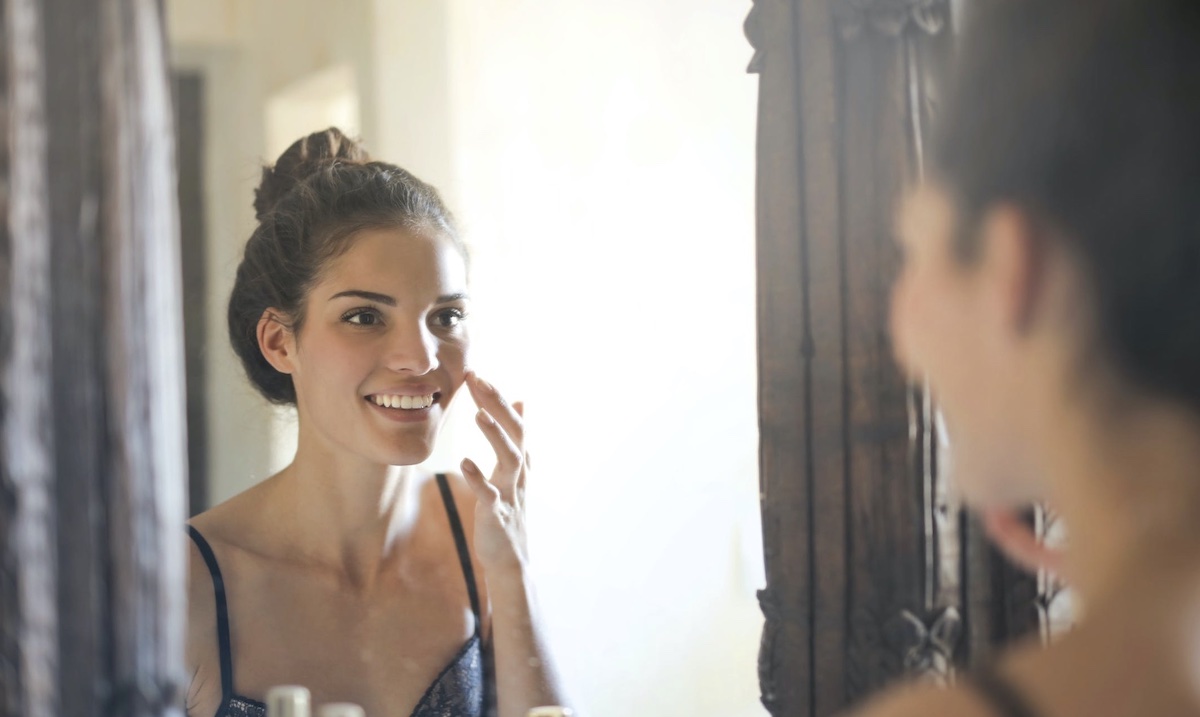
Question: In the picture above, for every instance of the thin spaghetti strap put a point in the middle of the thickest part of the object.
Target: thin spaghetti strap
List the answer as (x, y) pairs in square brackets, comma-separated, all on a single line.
[(464, 554), (223, 643), (1003, 696)]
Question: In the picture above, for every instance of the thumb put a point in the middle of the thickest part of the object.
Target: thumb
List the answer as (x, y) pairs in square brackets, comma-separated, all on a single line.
[(485, 492)]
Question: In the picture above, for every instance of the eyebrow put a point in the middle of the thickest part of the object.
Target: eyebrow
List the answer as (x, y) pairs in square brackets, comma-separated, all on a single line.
[(390, 301)]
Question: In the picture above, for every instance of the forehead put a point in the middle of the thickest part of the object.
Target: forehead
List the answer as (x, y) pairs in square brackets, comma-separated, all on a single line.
[(397, 259)]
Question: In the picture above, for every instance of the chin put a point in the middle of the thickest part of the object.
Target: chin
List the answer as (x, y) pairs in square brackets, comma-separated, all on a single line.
[(406, 457), (409, 453)]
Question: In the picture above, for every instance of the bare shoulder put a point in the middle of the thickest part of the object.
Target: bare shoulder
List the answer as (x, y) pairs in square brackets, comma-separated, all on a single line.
[(228, 522), (221, 531), (464, 499), (923, 701), (202, 651)]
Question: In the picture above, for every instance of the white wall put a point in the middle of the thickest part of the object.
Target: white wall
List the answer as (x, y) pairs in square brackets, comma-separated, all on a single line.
[(600, 157), (604, 160)]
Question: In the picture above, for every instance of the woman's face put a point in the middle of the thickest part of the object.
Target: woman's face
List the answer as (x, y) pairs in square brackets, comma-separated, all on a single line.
[(383, 347), (952, 325)]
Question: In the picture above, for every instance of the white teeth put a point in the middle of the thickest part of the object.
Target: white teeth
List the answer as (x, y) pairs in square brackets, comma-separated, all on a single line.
[(403, 402)]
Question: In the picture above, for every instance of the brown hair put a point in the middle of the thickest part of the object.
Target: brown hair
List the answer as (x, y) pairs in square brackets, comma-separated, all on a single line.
[(318, 194), (1085, 114)]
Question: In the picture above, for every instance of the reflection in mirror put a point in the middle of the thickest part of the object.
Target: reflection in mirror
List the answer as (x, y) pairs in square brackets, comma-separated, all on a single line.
[(599, 158)]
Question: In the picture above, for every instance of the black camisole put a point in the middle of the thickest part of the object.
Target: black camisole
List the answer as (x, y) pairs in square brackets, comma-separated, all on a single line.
[(457, 692)]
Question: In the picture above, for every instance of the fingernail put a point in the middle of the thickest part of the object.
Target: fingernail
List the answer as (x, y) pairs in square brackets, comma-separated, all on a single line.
[(484, 417)]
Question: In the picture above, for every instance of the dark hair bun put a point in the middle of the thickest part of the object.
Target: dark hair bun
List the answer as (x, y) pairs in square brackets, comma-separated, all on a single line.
[(307, 156)]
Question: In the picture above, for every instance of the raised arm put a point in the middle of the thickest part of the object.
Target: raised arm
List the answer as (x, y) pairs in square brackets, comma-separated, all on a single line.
[(525, 676)]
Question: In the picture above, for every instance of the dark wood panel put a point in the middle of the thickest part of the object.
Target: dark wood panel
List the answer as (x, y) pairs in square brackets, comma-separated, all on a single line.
[(823, 277), (885, 473), (188, 91), (784, 358)]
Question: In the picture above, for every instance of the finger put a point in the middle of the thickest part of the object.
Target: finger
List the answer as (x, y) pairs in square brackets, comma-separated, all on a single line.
[(485, 492), (1017, 540), (523, 477), (489, 399), (519, 487), (519, 407), (508, 457)]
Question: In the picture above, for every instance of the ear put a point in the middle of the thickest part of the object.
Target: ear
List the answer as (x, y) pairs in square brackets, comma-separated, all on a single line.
[(277, 341), (1013, 260)]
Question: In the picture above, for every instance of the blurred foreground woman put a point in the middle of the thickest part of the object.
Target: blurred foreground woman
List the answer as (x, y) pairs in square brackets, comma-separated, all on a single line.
[(1050, 294)]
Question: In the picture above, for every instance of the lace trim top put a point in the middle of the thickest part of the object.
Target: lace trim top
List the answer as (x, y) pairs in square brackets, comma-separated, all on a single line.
[(457, 692)]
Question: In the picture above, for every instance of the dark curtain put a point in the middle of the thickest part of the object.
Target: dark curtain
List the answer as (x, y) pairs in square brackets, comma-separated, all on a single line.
[(93, 462), (872, 572)]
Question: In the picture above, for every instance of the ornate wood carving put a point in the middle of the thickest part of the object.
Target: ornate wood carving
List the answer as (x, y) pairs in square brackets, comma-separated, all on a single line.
[(754, 33), (891, 17), (1055, 600)]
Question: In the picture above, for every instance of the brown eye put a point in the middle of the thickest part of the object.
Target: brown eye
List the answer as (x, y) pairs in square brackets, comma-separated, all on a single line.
[(449, 318), (363, 317)]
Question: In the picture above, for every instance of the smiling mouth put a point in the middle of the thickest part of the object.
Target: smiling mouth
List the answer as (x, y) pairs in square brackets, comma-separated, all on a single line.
[(404, 403)]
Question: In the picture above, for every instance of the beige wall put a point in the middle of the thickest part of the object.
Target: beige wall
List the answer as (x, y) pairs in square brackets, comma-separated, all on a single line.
[(249, 50)]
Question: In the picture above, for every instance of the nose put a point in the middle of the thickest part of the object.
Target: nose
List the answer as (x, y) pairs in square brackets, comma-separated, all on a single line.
[(412, 349)]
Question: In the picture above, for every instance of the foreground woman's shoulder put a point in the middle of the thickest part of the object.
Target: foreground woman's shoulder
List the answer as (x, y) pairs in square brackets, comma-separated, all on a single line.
[(923, 701)]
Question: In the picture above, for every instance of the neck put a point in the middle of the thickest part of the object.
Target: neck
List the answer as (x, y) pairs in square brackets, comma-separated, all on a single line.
[(341, 513), (1128, 488)]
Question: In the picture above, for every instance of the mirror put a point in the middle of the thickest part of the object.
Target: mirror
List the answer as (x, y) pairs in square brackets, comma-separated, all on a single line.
[(600, 160)]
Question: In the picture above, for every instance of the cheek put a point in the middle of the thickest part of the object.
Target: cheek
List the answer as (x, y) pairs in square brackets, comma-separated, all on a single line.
[(904, 318), (327, 364), (454, 354), (455, 359)]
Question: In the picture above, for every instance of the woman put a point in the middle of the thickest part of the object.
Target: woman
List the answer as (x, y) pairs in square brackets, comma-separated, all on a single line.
[(1051, 295), (350, 571)]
